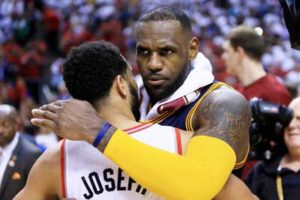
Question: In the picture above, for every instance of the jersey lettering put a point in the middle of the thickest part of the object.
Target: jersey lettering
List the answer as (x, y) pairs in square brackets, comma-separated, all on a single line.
[(96, 177), (95, 186), (106, 173)]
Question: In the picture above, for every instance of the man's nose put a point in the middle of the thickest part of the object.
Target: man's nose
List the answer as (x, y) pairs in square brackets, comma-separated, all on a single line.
[(155, 62)]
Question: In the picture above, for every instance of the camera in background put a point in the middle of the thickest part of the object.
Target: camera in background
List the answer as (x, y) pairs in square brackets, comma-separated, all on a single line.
[(266, 131)]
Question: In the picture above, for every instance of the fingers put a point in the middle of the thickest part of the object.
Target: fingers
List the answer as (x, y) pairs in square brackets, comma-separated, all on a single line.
[(53, 107), (39, 113), (47, 115), (44, 123), (61, 102)]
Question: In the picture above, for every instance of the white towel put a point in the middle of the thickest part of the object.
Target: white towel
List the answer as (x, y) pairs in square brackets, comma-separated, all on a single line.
[(200, 76)]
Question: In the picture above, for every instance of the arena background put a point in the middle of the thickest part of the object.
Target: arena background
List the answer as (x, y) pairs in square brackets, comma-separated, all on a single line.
[(35, 36)]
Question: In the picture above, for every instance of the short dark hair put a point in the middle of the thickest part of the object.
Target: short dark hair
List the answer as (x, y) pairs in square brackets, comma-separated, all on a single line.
[(90, 69), (247, 38), (164, 13)]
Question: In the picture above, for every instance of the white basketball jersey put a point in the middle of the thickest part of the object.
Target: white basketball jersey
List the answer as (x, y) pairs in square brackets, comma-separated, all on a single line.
[(88, 174)]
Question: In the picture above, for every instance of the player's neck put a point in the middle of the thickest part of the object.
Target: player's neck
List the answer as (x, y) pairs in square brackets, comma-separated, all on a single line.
[(120, 120), (251, 71), (294, 154), (119, 115)]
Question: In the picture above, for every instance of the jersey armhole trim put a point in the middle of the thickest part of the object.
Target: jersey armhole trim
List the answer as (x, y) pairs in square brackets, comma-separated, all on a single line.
[(240, 164), (178, 140), (188, 121), (62, 168)]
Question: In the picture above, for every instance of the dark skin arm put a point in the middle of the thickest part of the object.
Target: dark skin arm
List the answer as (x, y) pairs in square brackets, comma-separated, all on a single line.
[(235, 188), (225, 114)]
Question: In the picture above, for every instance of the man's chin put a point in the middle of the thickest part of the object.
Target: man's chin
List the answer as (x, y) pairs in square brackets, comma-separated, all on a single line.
[(160, 96), (157, 94)]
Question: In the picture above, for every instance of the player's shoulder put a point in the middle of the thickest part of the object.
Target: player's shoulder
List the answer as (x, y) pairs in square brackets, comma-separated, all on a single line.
[(52, 156), (223, 105), (227, 91), (225, 95), (45, 173)]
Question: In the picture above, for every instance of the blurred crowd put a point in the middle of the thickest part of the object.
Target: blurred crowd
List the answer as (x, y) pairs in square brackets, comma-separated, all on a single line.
[(36, 35)]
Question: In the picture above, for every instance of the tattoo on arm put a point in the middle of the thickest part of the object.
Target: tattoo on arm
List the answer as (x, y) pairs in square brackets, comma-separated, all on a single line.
[(226, 115)]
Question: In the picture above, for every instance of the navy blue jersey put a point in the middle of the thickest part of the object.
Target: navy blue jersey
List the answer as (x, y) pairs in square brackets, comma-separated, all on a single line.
[(180, 117)]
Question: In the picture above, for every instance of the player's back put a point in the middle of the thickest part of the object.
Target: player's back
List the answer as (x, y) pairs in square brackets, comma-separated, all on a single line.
[(88, 174)]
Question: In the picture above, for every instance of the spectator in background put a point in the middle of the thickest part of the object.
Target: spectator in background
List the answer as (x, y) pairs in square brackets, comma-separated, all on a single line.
[(243, 50), (30, 69), (64, 23), (17, 155), (280, 179), (51, 21)]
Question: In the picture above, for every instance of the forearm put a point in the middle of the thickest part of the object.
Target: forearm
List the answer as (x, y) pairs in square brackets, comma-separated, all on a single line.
[(200, 174), (235, 189)]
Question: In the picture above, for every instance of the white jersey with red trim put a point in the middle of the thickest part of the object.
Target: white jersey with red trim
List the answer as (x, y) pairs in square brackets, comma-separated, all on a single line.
[(88, 174)]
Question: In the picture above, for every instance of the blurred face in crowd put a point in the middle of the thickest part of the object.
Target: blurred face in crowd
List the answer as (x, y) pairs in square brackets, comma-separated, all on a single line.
[(162, 56), (292, 132), (8, 124), (231, 58)]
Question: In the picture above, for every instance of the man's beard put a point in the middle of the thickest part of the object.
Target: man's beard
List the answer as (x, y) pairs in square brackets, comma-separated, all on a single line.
[(135, 103), (172, 88)]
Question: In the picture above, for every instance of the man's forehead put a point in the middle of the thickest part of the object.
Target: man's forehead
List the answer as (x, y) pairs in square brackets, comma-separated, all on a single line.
[(158, 26), (7, 113), (295, 103), (227, 45), (162, 33)]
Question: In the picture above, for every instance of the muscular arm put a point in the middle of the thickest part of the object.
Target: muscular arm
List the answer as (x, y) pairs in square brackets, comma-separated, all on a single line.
[(225, 114), (43, 181)]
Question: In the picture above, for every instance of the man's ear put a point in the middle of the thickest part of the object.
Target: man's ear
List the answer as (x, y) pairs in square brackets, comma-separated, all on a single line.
[(193, 48), (241, 51), (121, 86)]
